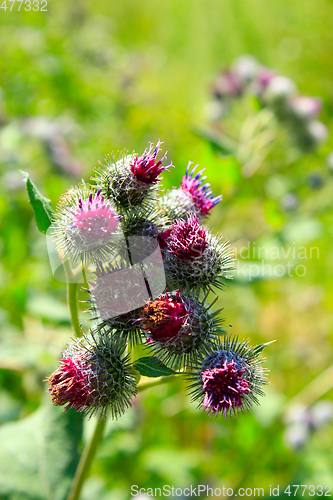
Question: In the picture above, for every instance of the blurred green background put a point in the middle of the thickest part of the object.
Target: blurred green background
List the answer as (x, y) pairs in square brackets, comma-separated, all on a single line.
[(87, 78)]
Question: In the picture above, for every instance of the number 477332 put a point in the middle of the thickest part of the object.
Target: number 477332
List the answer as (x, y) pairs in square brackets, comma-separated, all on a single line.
[(33, 5)]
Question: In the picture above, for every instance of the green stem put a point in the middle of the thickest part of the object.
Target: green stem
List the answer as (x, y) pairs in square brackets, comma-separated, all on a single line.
[(72, 298), (86, 461), (90, 449), (84, 275)]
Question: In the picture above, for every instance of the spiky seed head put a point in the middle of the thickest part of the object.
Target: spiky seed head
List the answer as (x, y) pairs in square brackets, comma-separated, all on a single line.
[(229, 379), (246, 68), (86, 225), (94, 377), (176, 203), (144, 220), (203, 198), (193, 257), (129, 180), (317, 132), (179, 328)]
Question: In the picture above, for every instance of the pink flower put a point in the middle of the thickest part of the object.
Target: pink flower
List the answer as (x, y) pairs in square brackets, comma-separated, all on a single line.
[(229, 379), (223, 387), (94, 376), (185, 239), (95, 217), (180, 328), (203, 198), (69, 384), (146, 168)]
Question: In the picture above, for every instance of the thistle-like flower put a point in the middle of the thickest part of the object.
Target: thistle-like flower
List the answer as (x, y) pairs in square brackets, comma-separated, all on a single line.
[(191, 196), (86, 224), (203, 197), (180, 328), (94, 377), (193, 257), (146, 168), (131, 179), (229, 379), (185, 239)]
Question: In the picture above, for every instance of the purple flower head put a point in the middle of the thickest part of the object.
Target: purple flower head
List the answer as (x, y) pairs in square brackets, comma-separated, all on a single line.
[(194, 258), (163, 238), (93, 376), (146, 168), (131, 180), (185, 239), (224, 387), (95, 217), (203, 197), (86, 225), (69, 384), (229, 379)]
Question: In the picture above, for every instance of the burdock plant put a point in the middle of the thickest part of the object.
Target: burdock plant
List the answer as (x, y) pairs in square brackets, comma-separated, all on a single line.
[(149, 265), (255, 112)]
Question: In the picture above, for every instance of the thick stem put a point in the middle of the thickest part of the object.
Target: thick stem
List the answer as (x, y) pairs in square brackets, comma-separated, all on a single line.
[(85, 461)]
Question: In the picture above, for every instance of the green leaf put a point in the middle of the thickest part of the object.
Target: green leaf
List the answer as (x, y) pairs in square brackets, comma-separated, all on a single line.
[(38, 454), (41, 205), (152, 367)]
